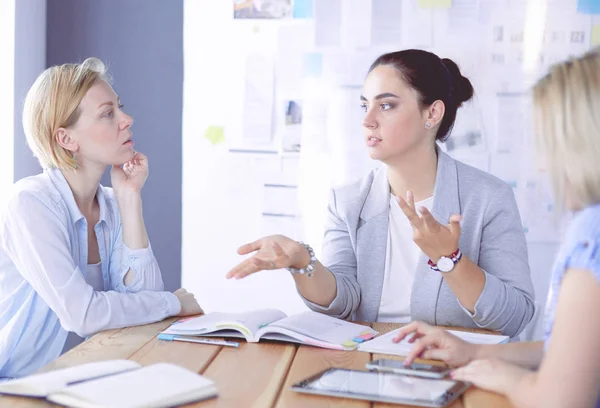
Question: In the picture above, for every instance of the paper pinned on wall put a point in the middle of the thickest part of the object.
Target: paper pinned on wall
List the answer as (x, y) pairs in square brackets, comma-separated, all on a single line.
[(435, 3), (588, 6), (512, 123), (536, 206), (328, 23), (280, 200), (313, 64), (506, 167), (467, 133), (303, 9), (262, 9), (416, 25), (356, 24), (293, 42), (595, 35), (386, 20), (258, 100), (463, 24), (215, 134)]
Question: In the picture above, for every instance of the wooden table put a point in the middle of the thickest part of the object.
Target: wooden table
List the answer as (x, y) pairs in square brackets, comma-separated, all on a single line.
[(253, 375)]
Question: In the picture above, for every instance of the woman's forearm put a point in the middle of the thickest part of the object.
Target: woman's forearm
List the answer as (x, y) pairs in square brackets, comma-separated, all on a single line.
[(467, 281), (320, 288), (132, 221), (525, 354)]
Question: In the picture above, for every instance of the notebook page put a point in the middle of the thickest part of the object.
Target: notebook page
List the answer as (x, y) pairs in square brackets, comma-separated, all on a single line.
[(384, 345), (248, 323), (157, 385), (320, 327), (479, 338), (40, 385)]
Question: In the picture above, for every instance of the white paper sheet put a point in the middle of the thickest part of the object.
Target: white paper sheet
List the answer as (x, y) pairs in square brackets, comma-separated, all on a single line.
[(356, 24), (384, 345), (386, 23), (258, 100), (328, 23)]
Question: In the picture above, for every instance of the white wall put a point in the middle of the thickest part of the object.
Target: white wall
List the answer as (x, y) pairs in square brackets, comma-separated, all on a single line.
[(30, 60), (7, 50), (222, 192)]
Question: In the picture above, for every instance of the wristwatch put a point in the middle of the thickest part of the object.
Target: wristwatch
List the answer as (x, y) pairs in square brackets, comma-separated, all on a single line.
[(445, 263), (308, 269)]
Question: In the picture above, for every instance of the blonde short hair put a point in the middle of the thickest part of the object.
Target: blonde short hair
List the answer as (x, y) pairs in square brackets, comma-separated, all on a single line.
[(53, 102), (567, 127)]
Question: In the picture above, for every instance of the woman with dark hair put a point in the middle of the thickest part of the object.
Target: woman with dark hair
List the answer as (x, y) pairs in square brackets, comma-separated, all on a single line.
[(423, 237)]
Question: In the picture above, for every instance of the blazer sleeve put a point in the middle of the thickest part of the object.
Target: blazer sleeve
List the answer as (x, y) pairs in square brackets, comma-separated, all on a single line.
[(339, 257), (506, 303)]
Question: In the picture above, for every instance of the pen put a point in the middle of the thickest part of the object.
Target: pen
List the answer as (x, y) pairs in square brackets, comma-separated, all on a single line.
[(175, 337)]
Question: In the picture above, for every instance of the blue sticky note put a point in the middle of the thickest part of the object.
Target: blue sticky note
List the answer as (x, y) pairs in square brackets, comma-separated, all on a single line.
[(303, 9), (588, 6), (313, 64)]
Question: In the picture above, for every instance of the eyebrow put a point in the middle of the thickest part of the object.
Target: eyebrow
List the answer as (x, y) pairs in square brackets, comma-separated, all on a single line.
[(110, 103), (381, 96)]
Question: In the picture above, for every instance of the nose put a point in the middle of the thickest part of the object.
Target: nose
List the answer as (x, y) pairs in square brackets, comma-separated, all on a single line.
[(369, 120), (127, 121)]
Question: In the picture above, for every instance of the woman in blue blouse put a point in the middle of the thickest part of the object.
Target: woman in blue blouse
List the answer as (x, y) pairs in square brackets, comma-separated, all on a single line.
[(564, 369), (74, 255)]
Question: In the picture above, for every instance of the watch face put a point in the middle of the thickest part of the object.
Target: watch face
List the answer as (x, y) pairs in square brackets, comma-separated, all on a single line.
[(445, 264)]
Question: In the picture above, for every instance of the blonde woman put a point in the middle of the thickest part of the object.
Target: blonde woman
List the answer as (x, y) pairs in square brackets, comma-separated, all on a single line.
[(74, 255), (567, 104)]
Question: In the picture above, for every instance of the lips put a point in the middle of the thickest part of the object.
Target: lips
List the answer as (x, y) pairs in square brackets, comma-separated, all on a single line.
[(373, 141)]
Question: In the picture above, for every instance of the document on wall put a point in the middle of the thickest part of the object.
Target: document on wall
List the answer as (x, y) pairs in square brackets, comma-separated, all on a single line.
[(328, 23), (512, 121), (386, 23), (416, 25), (356, 24), (258, 100)]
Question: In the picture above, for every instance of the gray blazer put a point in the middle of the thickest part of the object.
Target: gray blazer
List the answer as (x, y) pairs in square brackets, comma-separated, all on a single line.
[(355, 241)]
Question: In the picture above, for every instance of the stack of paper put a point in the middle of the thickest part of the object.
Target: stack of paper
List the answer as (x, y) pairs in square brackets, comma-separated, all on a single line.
[(384, 345)]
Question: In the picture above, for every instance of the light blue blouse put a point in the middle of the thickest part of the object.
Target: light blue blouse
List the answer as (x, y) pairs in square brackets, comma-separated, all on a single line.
[(43, 259), (580, 250)]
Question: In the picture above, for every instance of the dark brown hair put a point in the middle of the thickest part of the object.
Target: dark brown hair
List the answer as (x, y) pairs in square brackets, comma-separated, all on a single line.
[(433, 79)]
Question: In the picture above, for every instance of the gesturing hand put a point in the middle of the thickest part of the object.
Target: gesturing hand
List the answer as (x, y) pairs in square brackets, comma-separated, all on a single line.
[(272, 252), (434, 239)]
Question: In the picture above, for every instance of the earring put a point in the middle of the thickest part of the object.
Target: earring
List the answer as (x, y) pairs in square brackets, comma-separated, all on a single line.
[(427, 125), (75, 160)]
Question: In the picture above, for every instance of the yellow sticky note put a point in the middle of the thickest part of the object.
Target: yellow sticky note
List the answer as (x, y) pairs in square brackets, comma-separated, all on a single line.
[(215, 134), (435, 3), (595, 34), (349, 344)]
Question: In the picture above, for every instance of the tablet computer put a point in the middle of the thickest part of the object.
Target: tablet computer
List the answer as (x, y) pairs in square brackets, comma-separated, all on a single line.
[(382, 387)]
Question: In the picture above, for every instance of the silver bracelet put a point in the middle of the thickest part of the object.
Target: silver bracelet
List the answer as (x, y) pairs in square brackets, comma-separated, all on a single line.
[(308, 269)]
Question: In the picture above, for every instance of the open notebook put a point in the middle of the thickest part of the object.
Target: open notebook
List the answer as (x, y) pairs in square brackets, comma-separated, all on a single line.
[(384, 345), (310, 328), (115, 384)]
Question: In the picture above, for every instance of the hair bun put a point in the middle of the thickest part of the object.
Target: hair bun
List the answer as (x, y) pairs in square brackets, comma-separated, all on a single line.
[(462, 90)]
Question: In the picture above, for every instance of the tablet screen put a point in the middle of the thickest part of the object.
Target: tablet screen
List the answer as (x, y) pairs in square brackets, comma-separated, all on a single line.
[(380, 385)]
